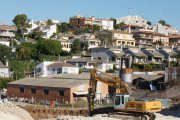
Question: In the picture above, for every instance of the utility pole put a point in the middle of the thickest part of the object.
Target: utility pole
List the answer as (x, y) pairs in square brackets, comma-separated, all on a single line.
[(16, 74)]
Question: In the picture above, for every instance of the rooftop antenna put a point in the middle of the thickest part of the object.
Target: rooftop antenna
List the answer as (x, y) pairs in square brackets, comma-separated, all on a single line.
[(129, 7)]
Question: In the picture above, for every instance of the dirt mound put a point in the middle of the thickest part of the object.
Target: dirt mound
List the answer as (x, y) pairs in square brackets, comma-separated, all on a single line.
[(10, 111)]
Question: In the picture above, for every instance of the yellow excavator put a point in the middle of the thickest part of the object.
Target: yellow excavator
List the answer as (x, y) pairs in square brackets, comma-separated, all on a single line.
[(123, 99)]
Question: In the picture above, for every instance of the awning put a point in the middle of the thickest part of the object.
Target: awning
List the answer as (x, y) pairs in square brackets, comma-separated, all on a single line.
[(80, 93)]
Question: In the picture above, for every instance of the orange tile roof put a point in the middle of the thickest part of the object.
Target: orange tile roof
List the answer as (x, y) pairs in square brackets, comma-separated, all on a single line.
[(122, 32), (131, 26), (106, 20), (174, 36)]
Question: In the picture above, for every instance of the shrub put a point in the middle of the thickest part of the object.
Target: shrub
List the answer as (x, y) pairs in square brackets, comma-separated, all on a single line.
[(80, 71), (114, 67), (110, 71)]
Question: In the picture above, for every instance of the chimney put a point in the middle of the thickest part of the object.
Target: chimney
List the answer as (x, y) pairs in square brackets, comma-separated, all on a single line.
[(6, 62), (129, 28), (91, 58), (64, 61), (139, 47), (104, 45)]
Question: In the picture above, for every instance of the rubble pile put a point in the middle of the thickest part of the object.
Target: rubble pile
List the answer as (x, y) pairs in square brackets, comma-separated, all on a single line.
[(9, 111)]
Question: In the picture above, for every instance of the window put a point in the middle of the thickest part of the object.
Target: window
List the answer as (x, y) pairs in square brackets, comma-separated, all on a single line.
[(126, 99), (104, 36), (113, 59), (38, 69), (59, 70), (99, 58), (133, 28), (61, 91), (46, 90), (122, 98), (117, 100), (65, 70), (33, 89), (21, 88), (100, 36)]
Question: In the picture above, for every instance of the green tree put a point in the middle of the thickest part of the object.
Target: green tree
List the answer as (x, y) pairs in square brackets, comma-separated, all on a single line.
[(49, 22), (50, 47), (76, 47), (115, 26), (121, 24), (64, 27), (95, 28), (78, 32), (19, 75), (86, 30), (21, 22), (149, 23), (86, 46), (162, 22), (5, 53)]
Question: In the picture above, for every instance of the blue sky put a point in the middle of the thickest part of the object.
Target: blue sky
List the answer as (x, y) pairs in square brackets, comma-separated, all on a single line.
[(153, 10)]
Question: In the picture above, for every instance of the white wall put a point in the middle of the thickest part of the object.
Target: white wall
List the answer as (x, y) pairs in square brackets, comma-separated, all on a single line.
[(50, 71), (4, 72), (7, 43), (43, 67), (102, 67), (107, 24)]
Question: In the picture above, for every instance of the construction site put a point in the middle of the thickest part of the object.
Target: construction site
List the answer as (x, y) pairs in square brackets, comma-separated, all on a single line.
[(141, 104)]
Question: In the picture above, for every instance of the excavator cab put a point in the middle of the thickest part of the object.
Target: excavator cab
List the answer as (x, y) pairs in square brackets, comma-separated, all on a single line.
[(120, 100)]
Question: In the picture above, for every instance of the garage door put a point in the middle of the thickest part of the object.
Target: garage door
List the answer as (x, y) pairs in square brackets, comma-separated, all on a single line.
[(72, 71)]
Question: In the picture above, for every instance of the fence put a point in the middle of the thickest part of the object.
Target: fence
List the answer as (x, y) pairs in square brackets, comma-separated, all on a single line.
[(76, 102), (172, 73), (52, 58)]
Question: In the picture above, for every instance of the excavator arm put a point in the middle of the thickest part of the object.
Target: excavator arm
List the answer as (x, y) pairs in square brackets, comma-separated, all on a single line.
[(115, 82)]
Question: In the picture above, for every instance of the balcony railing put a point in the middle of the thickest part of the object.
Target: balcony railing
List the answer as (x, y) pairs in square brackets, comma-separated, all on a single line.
[(7, 34)]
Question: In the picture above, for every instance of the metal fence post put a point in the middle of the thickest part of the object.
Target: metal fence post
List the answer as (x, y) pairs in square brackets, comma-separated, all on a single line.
[(72, 103), (46, 103), (59, 102), (86, 103), (35, 102), (23, 101)]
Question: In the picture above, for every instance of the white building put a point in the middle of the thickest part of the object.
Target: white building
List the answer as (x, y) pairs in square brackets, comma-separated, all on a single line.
[(33, 26), (4, 42), (51, 68), (90, 38), (108, 24), (43, 22), (164, 29), (134, 20), (4, 69), (48, 30), (65, 42)]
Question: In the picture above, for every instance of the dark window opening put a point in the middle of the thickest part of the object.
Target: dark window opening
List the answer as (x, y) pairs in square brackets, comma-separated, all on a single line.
[(46, 90), (33, 90), (113, 59), (99, 58), (21, 89), (133, 28), (61, 91), (122, 98)]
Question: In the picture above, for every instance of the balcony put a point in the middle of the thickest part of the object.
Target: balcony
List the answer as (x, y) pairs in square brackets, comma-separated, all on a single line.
[(7, 34)]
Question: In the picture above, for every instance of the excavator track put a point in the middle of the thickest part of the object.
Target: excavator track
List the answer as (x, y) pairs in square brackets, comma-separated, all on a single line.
[(141, 116)]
